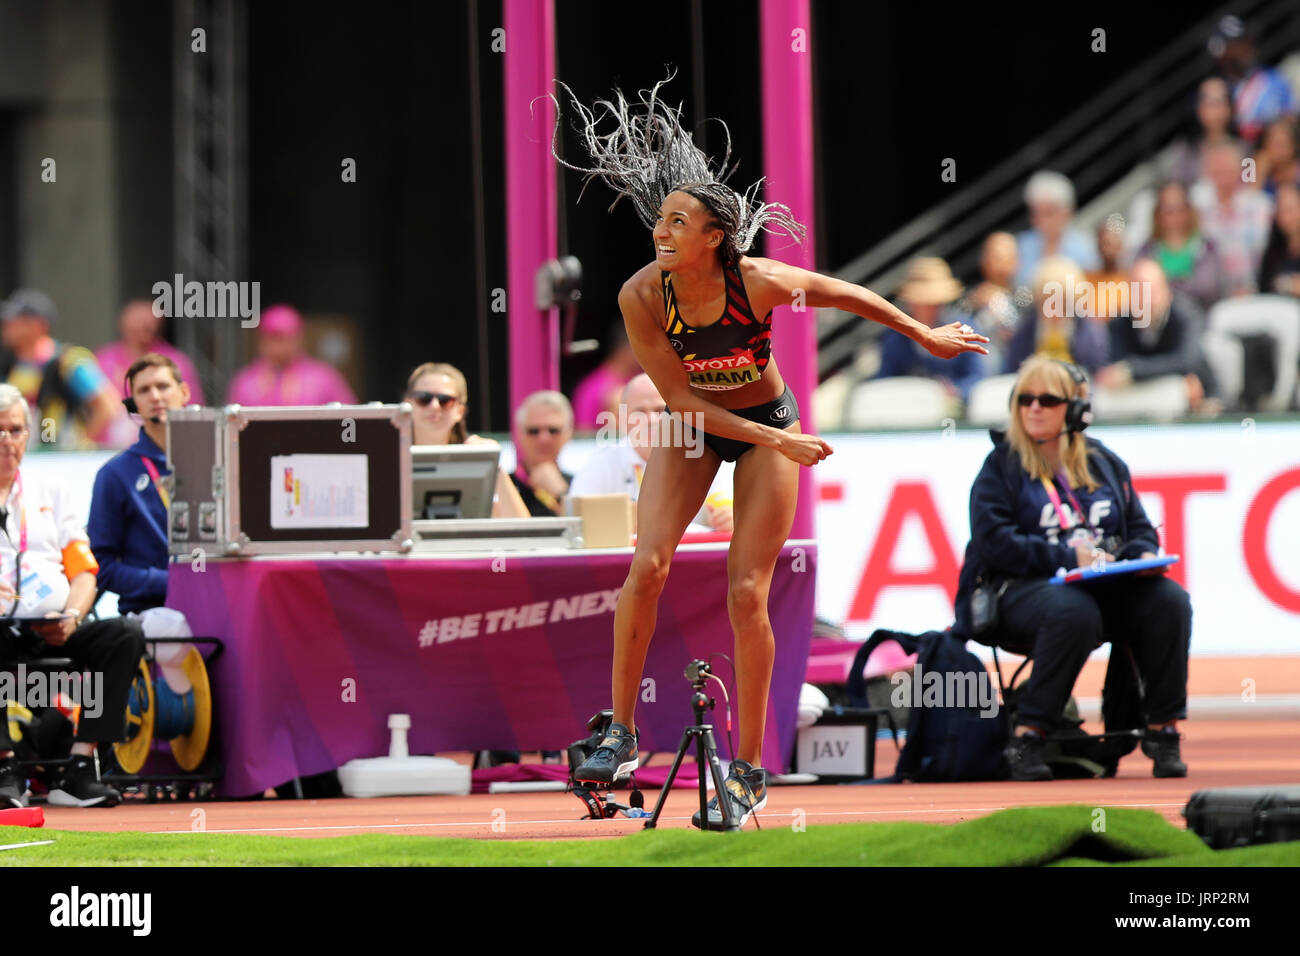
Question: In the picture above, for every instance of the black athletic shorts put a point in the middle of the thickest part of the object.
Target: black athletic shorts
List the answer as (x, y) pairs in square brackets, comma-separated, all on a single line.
[(779, 413)]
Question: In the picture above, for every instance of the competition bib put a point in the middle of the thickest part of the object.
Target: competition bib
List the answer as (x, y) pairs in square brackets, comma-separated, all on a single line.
[(720, 374)]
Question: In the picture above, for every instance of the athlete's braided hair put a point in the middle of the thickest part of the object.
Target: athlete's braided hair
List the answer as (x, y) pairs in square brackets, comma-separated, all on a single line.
[(647, 154)]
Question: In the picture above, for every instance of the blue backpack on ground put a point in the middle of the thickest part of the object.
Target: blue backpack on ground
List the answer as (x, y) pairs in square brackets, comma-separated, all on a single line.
[(944, 742)]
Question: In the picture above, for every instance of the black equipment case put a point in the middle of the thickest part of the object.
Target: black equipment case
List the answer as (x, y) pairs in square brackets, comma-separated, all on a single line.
[(1240, 816)]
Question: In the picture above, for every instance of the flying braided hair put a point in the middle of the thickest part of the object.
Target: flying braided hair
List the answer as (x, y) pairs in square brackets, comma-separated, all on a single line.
[(645, 154)]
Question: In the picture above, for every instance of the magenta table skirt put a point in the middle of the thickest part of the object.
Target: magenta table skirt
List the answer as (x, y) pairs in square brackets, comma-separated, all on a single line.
[(487, 652)]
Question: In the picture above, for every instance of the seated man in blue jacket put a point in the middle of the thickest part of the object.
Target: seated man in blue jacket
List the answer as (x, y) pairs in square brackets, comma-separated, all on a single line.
[(128, 512)]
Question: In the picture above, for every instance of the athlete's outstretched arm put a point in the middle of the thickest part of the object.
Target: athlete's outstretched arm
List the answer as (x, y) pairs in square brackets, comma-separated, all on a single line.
[(646, 336), (821, 291)]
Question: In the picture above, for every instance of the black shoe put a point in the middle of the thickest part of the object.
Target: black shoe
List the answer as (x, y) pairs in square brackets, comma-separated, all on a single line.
[(77, 784), (1162, 747), (1025, 756), (613, 760), (746, 791), (13, 785)]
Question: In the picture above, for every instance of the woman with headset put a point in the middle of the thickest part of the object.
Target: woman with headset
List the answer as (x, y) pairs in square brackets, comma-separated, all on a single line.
[(1049, 498)]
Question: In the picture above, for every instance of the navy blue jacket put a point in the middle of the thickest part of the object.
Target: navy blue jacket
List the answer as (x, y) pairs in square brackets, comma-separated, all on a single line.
[(128, 528), (1000, 551)]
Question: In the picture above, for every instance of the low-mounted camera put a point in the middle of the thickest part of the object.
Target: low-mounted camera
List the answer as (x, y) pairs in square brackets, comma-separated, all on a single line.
[(697, 670)]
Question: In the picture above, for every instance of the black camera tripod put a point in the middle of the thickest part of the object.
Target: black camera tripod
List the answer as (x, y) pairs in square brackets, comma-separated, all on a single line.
[(706, 755)]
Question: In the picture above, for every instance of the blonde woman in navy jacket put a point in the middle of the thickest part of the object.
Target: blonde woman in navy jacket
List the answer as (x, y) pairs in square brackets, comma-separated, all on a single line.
[(1049, 498)]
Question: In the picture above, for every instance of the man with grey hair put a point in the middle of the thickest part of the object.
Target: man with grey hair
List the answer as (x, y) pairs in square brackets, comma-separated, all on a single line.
[(543, 426), (1235, 217), (618, 468), (1050, 198), (1168, 343), (47, 584)]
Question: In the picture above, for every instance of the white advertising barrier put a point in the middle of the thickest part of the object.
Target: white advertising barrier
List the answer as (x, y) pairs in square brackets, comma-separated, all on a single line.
[(893, 523), (75, 471)]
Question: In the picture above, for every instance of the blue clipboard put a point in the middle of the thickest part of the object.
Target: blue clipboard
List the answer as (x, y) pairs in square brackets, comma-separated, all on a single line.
[(1111, 568)]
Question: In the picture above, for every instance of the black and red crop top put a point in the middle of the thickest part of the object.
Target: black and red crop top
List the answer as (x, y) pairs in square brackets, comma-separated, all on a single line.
[(731, 352)]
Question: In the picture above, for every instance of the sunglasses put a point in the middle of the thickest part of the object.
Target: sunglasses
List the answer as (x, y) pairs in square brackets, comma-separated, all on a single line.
[(534, 431), (1046, 400), (424, 398)]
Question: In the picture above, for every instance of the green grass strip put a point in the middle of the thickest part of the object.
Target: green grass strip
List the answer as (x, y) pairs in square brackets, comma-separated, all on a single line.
[(1025, 836)]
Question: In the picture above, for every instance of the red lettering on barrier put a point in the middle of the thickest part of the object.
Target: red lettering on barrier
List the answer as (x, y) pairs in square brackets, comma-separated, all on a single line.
[(909, 497), (830, 491), (1173, 491), (1254, 540)]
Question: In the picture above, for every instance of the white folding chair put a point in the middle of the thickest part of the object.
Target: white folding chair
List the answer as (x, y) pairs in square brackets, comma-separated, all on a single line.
[(1159, 399), (1274, 315), (988, 400), (903, 402)]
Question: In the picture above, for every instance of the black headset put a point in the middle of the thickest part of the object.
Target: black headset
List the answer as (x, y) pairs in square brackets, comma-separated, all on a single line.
[(1078, 411)]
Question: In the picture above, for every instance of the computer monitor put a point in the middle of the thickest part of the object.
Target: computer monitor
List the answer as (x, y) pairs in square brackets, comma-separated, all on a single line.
[(453, 481)]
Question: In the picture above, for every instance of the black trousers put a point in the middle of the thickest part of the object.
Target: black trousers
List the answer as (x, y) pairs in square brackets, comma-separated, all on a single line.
[(1061, 624), (109, 651)]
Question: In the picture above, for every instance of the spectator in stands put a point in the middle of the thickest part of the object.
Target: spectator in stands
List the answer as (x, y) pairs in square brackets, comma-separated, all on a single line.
[(1235, 218), (1260, 94), (1187, 258), (1050, 197), (543, 425), (440, 396), (600, 390), (1280, 270), (1276, 159), (617, 468), (74, 405), (929, 295), (994, 304), (1050, 326), (282, 374), (1110, 281), (1167, 341), (141, 334), (1048, 498), (45, 544), (1186, 160)]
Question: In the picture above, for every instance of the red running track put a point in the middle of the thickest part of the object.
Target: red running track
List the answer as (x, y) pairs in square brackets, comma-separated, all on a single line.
[(1219, 754)]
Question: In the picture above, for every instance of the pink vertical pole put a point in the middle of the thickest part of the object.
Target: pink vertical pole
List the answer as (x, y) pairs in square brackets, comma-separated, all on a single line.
[(785, 41), (530, 194)]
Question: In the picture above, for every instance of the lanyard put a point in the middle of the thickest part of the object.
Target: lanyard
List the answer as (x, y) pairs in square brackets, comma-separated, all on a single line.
[(150, 467), (22, 515), (17, 492), (1056, 500), (541, 494)]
